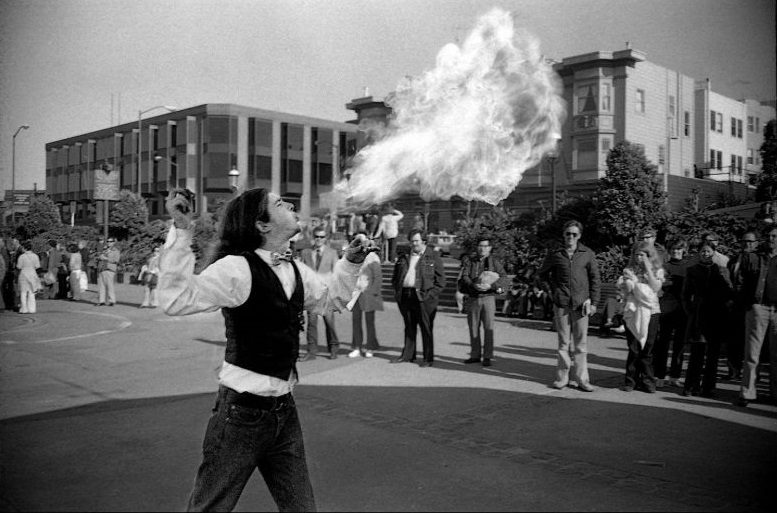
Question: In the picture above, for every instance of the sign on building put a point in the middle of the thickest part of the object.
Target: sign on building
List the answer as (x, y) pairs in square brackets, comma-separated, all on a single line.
[(106, 183)]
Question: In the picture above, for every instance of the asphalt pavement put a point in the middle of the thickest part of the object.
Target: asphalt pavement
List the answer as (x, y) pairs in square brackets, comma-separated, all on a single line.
[(104, 409)]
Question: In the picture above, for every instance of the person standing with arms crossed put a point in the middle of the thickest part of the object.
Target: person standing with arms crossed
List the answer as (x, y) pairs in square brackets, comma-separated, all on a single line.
[(481, 302), (573, 276), (262, 293), (418, 280)]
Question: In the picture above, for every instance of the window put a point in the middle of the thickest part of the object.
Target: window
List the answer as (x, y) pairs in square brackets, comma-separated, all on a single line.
[(586, 98), (739, 128), (606, 95), (713, 119), (750, 156), (720, 122), (733, 163), (750, 123), (661, 154), (640, 100), (739, 165), (733, 127), (672, 106), (687, 124), (758, 125), (173, 135), (716, 159), (720, 160)]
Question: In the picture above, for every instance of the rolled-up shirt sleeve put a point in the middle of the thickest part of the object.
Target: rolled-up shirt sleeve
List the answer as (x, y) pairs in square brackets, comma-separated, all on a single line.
[(225, 283)]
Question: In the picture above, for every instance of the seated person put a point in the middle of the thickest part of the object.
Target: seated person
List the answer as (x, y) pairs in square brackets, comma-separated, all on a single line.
[(515, 302), (612, 316), (540, 305)]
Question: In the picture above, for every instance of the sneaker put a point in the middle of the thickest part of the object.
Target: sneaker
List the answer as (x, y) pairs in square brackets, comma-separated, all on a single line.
[(558, 385), (368, 354), (675, 382), (354, 354), (585, 387), (619, 329)]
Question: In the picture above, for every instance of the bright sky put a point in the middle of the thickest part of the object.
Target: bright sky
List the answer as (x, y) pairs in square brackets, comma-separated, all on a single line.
[(61, 61)]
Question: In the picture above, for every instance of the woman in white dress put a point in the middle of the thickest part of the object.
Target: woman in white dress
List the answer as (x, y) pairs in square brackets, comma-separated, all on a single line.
[(29, 283)]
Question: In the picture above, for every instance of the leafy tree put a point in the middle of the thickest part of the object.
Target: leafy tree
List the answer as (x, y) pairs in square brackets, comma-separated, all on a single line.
[(42, 216), (128, 216), (766, 189), (629, 197)]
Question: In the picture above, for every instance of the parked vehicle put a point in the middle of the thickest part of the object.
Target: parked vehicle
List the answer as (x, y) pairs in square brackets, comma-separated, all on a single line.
[(442, 241)]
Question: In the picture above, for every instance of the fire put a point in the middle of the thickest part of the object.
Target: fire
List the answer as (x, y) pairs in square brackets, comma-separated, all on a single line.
[(470, 126)]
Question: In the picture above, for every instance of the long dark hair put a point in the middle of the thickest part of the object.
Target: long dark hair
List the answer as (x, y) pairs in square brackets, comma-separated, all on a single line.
[(238, 232)]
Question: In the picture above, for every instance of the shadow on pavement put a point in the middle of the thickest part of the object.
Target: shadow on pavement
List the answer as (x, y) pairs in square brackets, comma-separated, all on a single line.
[(451, 449)]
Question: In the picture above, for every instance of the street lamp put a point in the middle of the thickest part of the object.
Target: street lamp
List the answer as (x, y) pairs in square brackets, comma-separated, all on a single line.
[(13, 171), (140, 131), (552, 156), (234, 179)]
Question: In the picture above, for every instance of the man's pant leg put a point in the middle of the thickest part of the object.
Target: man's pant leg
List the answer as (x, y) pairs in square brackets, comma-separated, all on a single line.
[(408, 307), (332, 342), (756, 324), (311, 333), (564, 331), (474, 311), (110, 282), (489, 314), (427, 314), (580, 346), (392, 249), (101, 286)]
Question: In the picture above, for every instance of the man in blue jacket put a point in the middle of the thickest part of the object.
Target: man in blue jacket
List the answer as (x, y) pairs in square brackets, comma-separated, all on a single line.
[(574, 279)]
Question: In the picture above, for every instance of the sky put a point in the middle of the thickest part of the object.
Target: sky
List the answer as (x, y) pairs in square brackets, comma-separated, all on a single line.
[(66, 65)]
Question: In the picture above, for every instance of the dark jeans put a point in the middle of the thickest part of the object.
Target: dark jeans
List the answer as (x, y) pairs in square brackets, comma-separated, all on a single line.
[(671, 331), (416, 314), (703, 366), (639, 362), (242, 436)]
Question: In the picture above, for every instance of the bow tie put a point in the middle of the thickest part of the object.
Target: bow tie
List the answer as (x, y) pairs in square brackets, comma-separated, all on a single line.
[(277, 257)]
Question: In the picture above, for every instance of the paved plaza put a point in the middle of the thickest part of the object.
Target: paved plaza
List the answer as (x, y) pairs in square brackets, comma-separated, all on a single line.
[(104, 408)]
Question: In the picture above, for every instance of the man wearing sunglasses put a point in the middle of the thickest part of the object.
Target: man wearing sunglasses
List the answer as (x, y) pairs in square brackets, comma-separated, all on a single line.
[(322, 259), (574, 279)]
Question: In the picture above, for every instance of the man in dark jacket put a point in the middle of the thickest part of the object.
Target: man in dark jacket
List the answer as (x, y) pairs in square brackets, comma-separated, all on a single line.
[(418, 279), (481, 299), (758, 293), (574, 280)]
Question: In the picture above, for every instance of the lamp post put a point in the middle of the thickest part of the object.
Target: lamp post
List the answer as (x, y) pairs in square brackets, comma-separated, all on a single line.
[(140, 131), (13, 171), (552, 156), (234, 179)]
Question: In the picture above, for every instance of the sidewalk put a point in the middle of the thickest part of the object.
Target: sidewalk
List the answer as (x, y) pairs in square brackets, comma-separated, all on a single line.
[(379, 437)]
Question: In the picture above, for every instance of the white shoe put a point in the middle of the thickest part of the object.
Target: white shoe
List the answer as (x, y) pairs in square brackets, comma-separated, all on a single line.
[(354, 354), (619, 329), (368, 354)]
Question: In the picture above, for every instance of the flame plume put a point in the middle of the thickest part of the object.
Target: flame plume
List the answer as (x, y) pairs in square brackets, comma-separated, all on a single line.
[(471, 126)]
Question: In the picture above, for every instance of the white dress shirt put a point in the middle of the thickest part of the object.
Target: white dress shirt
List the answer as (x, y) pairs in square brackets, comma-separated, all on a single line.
[(226, 283)]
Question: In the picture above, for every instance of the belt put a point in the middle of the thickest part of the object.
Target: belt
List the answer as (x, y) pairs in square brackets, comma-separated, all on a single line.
[(259, 402)]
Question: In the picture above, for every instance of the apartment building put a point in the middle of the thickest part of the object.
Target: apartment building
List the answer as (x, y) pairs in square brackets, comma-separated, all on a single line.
[(295, 156)]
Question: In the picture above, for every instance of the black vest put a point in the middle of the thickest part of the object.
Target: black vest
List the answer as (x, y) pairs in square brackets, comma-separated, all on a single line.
[(263, 333)]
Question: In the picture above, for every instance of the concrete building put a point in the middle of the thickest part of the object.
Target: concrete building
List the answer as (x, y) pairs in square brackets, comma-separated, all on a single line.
[(295, 156)]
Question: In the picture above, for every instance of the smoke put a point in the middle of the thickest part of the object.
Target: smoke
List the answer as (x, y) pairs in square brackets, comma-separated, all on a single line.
[(471, 126)]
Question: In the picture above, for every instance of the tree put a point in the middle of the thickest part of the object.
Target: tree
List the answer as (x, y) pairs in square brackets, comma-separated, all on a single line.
[(128, 216), (766, 188), (42, 216), (629, 197)]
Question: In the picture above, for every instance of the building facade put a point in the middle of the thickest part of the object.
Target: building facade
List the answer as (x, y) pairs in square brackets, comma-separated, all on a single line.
[(295, 156)]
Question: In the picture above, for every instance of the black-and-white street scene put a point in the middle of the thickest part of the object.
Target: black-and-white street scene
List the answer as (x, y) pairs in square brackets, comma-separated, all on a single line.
[(495, 255)]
